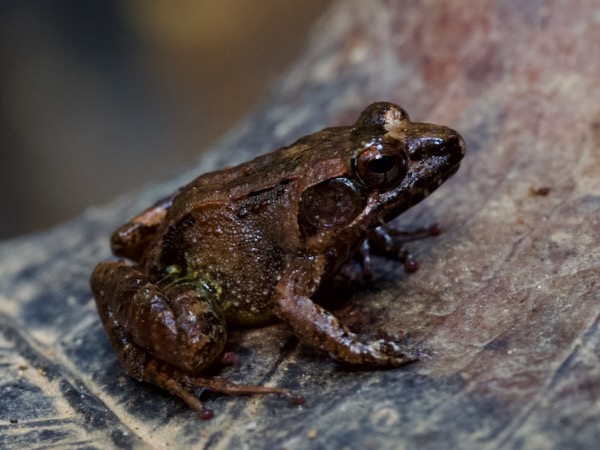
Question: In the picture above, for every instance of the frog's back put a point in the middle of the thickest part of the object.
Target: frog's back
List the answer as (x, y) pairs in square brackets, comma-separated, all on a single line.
[(267, 171)]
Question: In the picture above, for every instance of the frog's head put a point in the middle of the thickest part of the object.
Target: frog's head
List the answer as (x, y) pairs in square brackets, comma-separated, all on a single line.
[(392, 164)]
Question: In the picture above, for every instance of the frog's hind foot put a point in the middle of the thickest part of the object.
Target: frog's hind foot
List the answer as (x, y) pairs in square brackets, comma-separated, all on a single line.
[(187, 396), (220, 386)]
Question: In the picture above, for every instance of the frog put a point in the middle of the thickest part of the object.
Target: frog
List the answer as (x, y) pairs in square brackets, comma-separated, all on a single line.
[(252, 244)]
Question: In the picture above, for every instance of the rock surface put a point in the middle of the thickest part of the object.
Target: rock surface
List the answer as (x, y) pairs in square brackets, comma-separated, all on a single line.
[(506, 303)]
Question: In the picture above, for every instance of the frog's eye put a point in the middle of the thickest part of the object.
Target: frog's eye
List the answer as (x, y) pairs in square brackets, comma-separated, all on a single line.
[(381, 166)]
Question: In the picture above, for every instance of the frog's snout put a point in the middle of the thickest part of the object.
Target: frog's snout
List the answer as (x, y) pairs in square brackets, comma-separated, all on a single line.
[(447, 142)]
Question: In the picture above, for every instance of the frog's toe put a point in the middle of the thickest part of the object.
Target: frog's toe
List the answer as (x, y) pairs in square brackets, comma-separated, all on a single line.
[(396, 354), (176, 388)]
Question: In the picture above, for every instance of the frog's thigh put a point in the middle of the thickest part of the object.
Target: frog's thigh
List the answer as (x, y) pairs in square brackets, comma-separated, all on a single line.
[(175, 325)]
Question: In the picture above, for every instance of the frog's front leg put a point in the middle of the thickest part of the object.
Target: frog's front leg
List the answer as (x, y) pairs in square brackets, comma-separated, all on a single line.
[(317, 327), (165, 336), (387, 242)]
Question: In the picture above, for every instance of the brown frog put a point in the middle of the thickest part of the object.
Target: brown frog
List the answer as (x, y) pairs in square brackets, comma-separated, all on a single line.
[(254, 242)]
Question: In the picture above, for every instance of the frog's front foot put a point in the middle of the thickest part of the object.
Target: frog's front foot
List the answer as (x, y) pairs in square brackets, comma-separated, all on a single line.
[(389, 242), (380, 353), (321, 329)]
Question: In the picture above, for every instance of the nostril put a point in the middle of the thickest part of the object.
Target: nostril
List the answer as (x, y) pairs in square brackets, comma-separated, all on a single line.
[(426, 146), (439, 146), (455, 140), (453, 145)]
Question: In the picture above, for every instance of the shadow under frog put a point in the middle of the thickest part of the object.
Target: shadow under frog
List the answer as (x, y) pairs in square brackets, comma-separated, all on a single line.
[(251, 243)]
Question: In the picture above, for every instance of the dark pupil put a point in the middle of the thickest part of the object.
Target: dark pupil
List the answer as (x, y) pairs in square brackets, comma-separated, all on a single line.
[(382, 165)]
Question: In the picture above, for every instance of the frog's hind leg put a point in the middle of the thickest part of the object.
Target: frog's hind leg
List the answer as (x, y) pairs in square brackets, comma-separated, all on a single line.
[(175, 324), (184, 385), (164, 336), (158, 334)]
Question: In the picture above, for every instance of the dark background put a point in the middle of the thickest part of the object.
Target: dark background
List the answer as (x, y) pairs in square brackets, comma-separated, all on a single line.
[(101, 97)]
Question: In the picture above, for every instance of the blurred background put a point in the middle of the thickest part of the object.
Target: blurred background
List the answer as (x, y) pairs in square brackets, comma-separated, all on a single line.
[(99, 97)]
